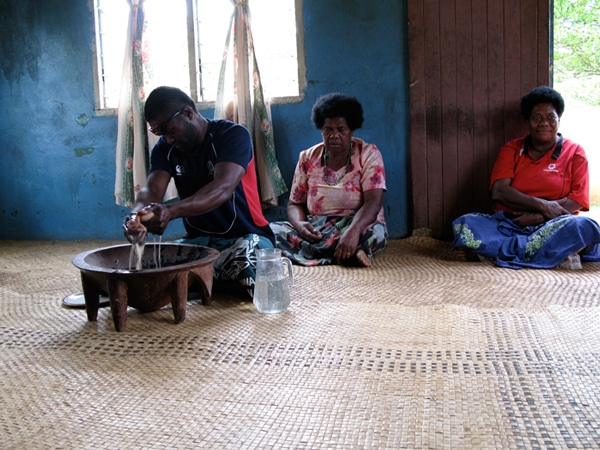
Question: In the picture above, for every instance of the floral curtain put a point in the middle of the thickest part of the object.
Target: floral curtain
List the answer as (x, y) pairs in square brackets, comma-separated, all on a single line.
[(132, 135), (241, 88)]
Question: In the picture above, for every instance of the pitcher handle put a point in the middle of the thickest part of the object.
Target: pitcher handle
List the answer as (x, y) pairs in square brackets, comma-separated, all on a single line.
[(288, 263)]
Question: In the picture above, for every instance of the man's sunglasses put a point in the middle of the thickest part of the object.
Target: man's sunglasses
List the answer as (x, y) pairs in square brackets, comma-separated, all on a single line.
[(159, 129)]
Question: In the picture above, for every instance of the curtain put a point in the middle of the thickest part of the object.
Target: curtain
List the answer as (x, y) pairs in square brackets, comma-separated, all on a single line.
[(132, 158), (241, 88)]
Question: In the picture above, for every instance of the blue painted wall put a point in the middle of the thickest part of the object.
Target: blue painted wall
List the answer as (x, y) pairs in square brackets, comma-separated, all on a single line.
[(57, 158)]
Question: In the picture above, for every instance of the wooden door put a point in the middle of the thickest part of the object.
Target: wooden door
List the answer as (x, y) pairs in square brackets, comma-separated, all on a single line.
[(470, 63)]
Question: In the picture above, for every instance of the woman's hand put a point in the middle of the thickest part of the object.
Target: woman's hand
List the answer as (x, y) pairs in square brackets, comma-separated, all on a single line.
[(526, 219), (297, 216), (529, 209), (308, 232), (553, 208), (366, 214), (347, 245)]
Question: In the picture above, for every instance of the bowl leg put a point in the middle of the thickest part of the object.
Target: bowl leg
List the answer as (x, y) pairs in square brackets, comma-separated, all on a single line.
[(179, 297), (91, 294), (117, 291), (204, 277)]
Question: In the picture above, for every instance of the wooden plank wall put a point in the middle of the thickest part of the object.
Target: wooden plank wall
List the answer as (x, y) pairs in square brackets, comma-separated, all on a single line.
[(470, 63)]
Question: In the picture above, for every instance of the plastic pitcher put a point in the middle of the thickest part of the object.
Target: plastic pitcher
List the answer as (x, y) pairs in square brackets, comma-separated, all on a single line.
[(271, 293)]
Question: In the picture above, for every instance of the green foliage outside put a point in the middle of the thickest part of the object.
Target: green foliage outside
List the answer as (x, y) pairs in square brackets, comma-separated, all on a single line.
[(577, 49)]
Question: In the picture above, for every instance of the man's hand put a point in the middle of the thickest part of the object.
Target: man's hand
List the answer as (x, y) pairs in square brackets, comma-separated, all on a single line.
[(133, 228), (156, 217)]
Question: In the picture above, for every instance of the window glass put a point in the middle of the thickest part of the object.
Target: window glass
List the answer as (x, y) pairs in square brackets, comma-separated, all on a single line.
[(275, 44)]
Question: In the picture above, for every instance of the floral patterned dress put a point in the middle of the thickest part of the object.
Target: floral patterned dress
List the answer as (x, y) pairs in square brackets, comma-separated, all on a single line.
[(332, 205)]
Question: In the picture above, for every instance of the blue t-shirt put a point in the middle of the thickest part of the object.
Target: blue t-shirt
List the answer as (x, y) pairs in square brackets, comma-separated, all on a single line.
[(224, 142)]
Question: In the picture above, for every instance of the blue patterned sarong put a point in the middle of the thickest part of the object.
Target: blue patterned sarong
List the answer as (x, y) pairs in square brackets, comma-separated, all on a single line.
[(542, 246)]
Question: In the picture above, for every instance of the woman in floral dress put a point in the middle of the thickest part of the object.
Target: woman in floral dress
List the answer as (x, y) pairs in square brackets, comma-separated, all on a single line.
[(335, 210)]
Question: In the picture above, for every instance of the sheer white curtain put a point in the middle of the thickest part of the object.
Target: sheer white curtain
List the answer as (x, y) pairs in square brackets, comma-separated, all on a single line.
[(240, 99), (132, 135), (133, 139)]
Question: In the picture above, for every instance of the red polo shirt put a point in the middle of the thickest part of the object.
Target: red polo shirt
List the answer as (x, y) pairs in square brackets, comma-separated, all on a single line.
[(561, 172)]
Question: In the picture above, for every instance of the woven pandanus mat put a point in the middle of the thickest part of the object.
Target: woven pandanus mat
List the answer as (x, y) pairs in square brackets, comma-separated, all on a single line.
[(422, 350)]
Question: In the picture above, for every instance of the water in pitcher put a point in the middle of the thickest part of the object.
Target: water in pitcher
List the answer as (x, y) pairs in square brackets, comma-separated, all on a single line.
[(271, 294)]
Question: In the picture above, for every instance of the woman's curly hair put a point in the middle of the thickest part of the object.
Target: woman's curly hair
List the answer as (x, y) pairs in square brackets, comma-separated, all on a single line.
[(541, 94), (338, 105)]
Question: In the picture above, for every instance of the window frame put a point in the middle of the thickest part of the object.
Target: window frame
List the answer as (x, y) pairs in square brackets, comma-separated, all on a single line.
[(194, 61)]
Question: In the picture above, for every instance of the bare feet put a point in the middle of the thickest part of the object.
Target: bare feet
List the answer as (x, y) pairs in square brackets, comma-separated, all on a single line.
[(362, 259), (573, 262)]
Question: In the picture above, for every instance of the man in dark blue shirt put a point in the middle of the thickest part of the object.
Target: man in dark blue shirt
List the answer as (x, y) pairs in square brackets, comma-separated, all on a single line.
[(212, 163)]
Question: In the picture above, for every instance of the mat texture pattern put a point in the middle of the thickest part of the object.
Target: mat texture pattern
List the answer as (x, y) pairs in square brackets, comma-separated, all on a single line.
[(420, 351)]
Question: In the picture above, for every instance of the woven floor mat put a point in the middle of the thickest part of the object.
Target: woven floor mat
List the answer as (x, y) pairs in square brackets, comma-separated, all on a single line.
[(422, 350)]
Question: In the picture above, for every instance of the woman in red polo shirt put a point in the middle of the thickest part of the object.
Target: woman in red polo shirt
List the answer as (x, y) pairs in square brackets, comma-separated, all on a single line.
[(539, 184)]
